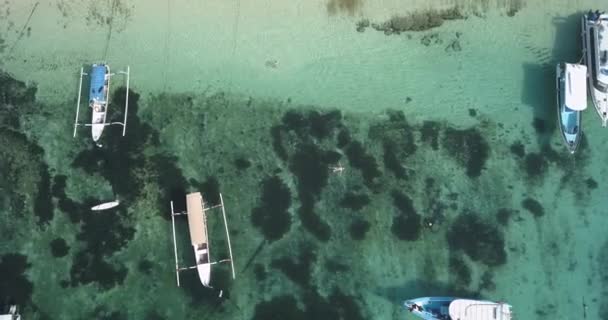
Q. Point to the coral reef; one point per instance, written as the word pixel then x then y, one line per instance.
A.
pixel 407 222
pixel 418 21
pixel 533 207
pixel 272 216
pixel 479 239
pixel 468 147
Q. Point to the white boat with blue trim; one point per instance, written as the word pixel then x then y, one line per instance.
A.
pixel 595 54
pixel 571 83
pixel 450 308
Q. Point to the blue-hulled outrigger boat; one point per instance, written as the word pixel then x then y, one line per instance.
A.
pixel 571 101
pixel 99 92
pixel 450 308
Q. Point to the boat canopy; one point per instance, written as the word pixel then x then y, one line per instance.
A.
pixel 576 86
pixel 464 309
pixel 196 219
pixel 98 78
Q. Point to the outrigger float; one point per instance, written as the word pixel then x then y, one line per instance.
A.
pixel 197 223
pixel 99 93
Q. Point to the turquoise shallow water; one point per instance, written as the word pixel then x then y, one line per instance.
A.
pixel 452 125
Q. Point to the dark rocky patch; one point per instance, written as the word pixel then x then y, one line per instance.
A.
pixel 535 165
pixel 312 221
pixel 354 201
pixel 278 144
pixel 362 24
pixel 59 248
pixel 472 113
pixel 503 216
pixel 65 204
pixel 346 6
pixel 518 149
pixel 145 266
pixel 171 182
pixel 397 138
pixel 211 191
pixel 487 281
pixel 540 126
pixel 43 203
pixel 272 216
pixel 278 308
pixel 534 207
pixel 429 133
pixel 418 21
pixel 260 272
pixel 24 173
pixel 468 147
pixel 479 239
pixel 407 223
pixel 242 163
pixel 460 271
pixel 299 270
pixel 591 184
pixel 16 100
pixel 360 159
pixel 312 123
pixel 344 138
pixel 358 229
pixel 14 284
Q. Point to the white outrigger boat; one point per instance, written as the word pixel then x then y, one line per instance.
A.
pixel 99 98
pixel 197 223
pixel 11 314
pixel 595 54
pixel 450 308
pixel 571 84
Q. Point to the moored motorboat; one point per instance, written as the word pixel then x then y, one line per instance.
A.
pixel 595 54
pixel 571 87
pixel 450 308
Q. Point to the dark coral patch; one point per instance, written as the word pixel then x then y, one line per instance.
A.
pixel 518 149
pixel 479 239
pixel 407 223
pixel 14 285
pixel 59 248
pixel 591 184
pixel 312 221
pixel 503 215
pixel 359 158
pixel 272 216
pixel 535 164
pixel 460 271
pixel 397 138
pixel 468 147
pixel 354 201
pixel 281 307
pixel 298 271
pixel 429 133
pixel 242 163
pixel 533 207
pixel 358 229
pixel 278 144
pixel 16 99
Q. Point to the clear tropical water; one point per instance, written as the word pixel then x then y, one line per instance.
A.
pixel 456 181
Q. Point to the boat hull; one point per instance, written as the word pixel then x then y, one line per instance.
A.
pixel 599 95
pixel 568 121
pixel 98 98
pixel 432 308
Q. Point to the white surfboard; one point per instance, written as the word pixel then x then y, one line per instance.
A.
pixel 106 206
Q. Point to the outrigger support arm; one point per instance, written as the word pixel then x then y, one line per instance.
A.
pixel 227 236
pixel 78 103
pixel 124 124
pixel 177 269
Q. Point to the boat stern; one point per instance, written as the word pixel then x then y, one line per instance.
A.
pixel 96 131
pixel 204 273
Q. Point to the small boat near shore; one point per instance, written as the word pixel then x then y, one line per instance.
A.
pixel 10 314
pixel 99 98
pixel 595 55
pixel 450 308
pixel 571 90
